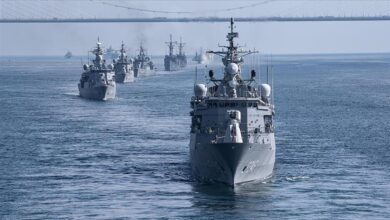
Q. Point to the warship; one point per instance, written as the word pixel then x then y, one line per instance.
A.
pixel 142 63
pixel 111 53
pixel 170 60
pixel 123 67
pixel 201 57
pixel 232 133
pixel 97 81
pixel 68 55
pixel 174 62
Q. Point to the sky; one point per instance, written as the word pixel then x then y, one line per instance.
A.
pixel 267 37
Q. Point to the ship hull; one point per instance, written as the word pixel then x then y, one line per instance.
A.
pixel 171 65
pixel 101 93
pixel 182 62
pixel 124 78
pixel 142 72
pixel 231 163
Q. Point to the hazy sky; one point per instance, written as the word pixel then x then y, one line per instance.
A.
pixel 271 37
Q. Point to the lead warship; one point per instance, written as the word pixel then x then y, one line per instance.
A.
pixel 232 134
pixel 123 67
pixel 142 63
pixel 97 81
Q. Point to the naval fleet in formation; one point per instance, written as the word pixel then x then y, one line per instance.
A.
pixel 98 81
pixel 232 133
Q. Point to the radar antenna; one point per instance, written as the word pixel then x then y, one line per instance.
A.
pixel 233 54
pixel 171 45
pixel 181 46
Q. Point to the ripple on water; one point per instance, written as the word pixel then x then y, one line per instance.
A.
pixel 65 157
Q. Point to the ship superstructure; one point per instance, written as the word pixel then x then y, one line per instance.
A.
pixel 232 133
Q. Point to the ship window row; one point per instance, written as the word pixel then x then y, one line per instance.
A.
pixel 231 104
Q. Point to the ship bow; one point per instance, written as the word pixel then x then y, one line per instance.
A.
pixel 233 163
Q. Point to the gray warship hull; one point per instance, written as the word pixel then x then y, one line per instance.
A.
pixel 124 78
pixel 171 65
pixel 232 163
pixel 182 61
pixel 101 93
pixel 143 72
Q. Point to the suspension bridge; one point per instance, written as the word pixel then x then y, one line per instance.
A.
pixel 55 11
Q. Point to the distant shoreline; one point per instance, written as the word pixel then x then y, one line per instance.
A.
pixel 261 54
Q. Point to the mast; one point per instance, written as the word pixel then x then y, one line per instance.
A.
pixel 232 55
pixel 181 46
pixel 123 52
pixel 230 37
pixel 141 55
pixel 171 45
pixel 98 52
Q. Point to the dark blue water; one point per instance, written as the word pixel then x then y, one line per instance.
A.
pixel 65 157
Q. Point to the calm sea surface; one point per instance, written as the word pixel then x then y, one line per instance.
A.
pixel 63 157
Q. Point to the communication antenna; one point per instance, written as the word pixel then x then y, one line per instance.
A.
pixel 259 66
pixel 272 80
pixel 267 70
pixel 196 75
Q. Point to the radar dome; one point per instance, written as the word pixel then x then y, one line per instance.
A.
pixel 85 66
pixel 265 90
pixel 232 69
pixel 200 90
pixel 110 66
